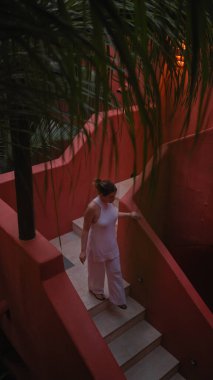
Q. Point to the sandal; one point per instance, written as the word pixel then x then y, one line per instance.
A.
pixel 123 306
pixel 100 297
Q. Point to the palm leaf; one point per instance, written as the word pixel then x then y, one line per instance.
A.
pixel 50 50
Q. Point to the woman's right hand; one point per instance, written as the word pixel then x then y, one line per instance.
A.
pixel 82 257
pixel 135 215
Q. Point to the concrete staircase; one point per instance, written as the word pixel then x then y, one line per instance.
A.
pixel 134 343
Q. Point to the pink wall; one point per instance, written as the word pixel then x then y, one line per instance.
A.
pixel 47 324
pixel 72 177
pixel 173 306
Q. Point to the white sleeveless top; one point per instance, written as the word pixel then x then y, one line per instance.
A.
pixel 102 242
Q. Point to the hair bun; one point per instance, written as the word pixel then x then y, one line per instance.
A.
pixel 104 187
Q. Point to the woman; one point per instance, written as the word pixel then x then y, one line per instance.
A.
pixel 99 244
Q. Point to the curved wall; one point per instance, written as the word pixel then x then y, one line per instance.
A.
pixel 62 189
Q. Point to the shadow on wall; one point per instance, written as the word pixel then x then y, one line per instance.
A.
pixel 180 209
pixel 197 262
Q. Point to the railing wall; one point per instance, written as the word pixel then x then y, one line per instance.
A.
pixel 45 320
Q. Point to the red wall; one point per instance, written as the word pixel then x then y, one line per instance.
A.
pixel 47 323
pixel 36 285
pixel 173 121
pixel 190 209
pixel 180 208
pixel 72 175
pixel 188 231
pixel 172 304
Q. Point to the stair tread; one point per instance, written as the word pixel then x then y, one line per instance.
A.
pixel 77 225
pixel 133 341
pixel 153 366
pixel 177 376
pixel 70 246
pixel 79 221
pixel 112 318
pixel 130 333
pixel 124 186
pixel 65 238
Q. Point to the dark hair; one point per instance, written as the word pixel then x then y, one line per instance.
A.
pixel 105 187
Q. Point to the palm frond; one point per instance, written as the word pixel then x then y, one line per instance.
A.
pixel 51 50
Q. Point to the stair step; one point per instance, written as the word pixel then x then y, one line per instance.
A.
pixel 70 246
pixel 132 340
pixel 177 376
pixel 94 306
pixel 134 344
pixel 77 225
pixel 113 321
pixel 158 365
pixel 124 186
pixel 66 238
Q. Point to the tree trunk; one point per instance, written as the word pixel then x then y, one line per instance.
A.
pixel 23 178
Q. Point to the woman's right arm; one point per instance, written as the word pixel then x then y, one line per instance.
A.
pixel 88 220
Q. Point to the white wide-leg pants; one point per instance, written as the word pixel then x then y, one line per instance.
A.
pixel 96 276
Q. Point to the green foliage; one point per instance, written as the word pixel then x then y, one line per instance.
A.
pixel 55 64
